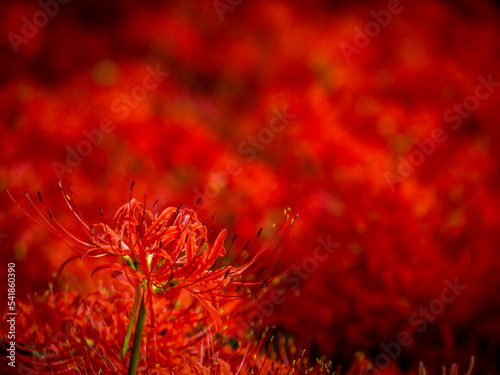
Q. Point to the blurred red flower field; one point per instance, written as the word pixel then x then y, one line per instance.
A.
pixel 375 122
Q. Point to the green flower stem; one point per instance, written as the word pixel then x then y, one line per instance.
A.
pixel 136 346
pixel 131 323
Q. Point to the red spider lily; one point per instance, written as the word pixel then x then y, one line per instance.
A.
pixel 167 252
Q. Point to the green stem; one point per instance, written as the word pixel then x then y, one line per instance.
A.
pixel 136 346
pixel 132 321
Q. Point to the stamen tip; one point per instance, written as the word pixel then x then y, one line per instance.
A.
pixel 263 283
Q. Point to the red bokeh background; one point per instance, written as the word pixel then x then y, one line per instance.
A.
pixel 352 119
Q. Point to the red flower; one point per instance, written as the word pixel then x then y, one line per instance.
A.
pixel 168 252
